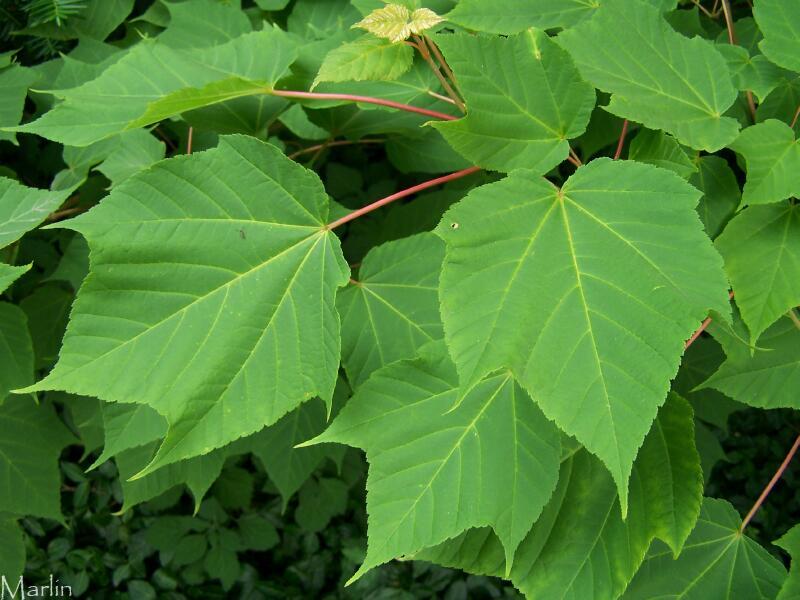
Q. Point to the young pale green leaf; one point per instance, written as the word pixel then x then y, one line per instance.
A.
pixel 434 472
pixel 9 274
pixel 656 76
pixel 587 293
pixel 766 377
pixel 721 193
pixel 718 561
pixel 23 208
pixel 14 84
pixel 396 22
pixel 32 440
pixel 761 250
pixel 773 162
pixel 790 541
pixel 779 21
pixel 514 16
pixel 524 99
pixel 581 547
pixel 16 350
pixel 197 473
pixel 220 339
pixel 368 57
pixel 153 82
pixel 393 309
pixel 660 149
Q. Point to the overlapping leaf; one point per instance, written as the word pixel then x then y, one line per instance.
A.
pixel 721 193
pixel 767 376
pixel 435 472
pixel 154 81
pixel 366 58
pixel 790 542
pixel 16 350
pixel 222 339
pixel 761 249
pixel 587 293
pixel 23 208
pixel 32 440
pixel 779 21
pixel 717 562
pixel 772 155
pixel 656 76
pixel 510 122
pixel 393 310
pixel 581 547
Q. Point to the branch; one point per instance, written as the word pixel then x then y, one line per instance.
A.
pixel 771 484
pixel 702 328
pixel 401 194
pixel 365 99
pixel 335 143
pixel 796 115
pixel 424 50
pixel 726 9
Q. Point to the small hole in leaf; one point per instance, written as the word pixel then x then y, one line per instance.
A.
pixel 453 225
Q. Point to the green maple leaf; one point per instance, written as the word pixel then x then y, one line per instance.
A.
pixel 721 193
pixel 154 81
pixel 510 123
pixel 660 149
pixel 779 21
pixel 587 293
pixel 761 249
pixel 203 23
pixel 717 562
pixel 581 547
pixel 9 274
pixel 32 440
pixel 221 339
pixel 766 376
pixel 127 426
pixel 773 162
pixel 14 81
pixel 492 461
pixel 656 76
pixel 393 310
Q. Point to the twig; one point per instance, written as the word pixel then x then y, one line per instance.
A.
pixel 335 143
pixel 401 194
pixel 621 141
pixel 575 158
pixel 702 327
pixel 795 319
pixel 440 97
pixel 67 212
pixel 796 115
pixel 726 9
pixel 440 57
pixel 365 99
pixel 771 484
pixel 424 49
pixel 189 140
pixel 702 8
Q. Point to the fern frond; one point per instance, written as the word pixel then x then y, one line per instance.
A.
pixel 46 11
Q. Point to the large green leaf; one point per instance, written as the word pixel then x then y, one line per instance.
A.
pixel 773 162
pixel 514 16
pixel 766 377
pixel 717 562
pixel 779 21
pixel 221 339
pixel 434 472
pixel 587 293
pixel 581 547
pixel 761 249
pixel 14 84
pixel 32 440
pixel 154 81
pixel 393 309
pixel 16 350
pixel 23 208
pixel 510 122
pixel 656 76
pixel 660 149
pixel 754 73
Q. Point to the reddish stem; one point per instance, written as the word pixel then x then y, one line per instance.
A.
pixel 771 484
pixel 621 141
pixel 365 99
pixel 401 194
pixel 702 327
pixel 335 143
